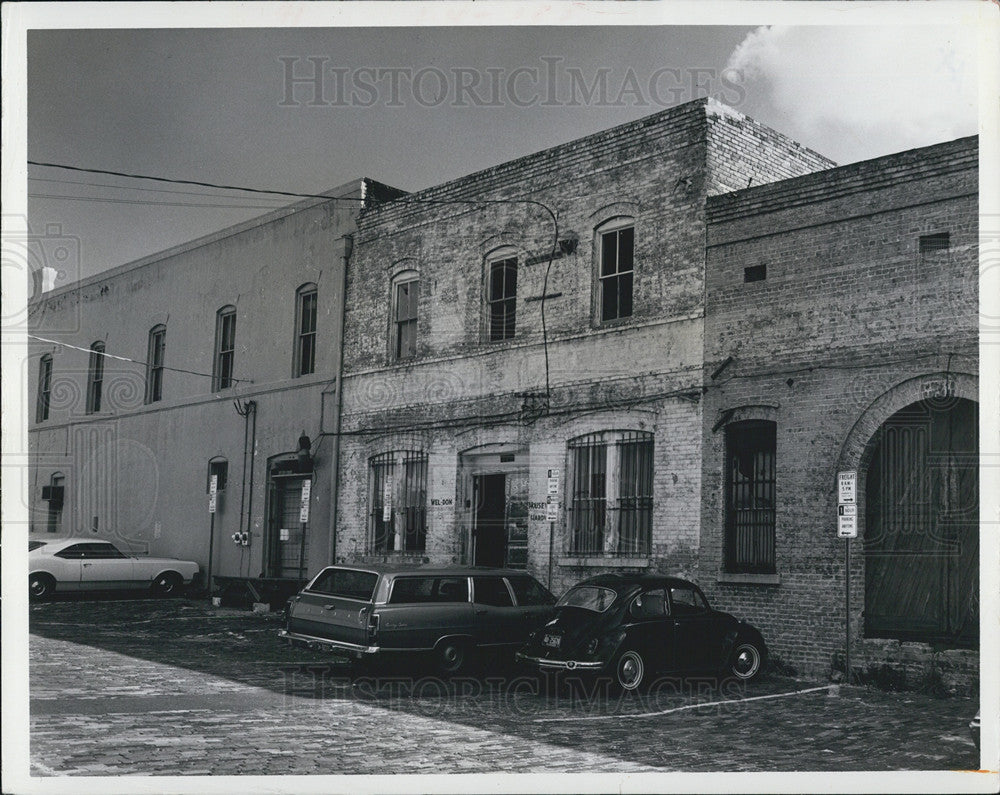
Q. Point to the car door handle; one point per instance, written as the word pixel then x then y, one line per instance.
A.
pixel 88 564
pixel 330 607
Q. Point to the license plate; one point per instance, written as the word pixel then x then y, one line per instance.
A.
pixel 552 641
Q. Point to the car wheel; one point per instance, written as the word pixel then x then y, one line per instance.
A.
pixel 630 671
pixel 451 656
pixel 747 660
pixel 167 583
pixel 40 585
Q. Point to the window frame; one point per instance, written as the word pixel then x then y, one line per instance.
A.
pixel 750 549
pixel 304 353
pixel 613 227
pixel 95 377
pixel 507 259
pixel 217 466
pixel 156 354
pixel 224 358
pixel 409 279
pixel 382 535
pixel 43 399
pixel 623 514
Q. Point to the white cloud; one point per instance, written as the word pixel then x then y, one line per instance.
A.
pixel 854 92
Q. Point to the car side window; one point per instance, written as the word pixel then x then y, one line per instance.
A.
pixel 652 604
pixel 420 590
pixel 530 592
pixel 491 591
pixel 687 601
pixel 104 551
pixel 75 552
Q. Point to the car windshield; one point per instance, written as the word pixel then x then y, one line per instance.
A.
pixel 35 545
pixel 589 597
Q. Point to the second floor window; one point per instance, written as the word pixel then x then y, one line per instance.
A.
pixel 154 363
pixel 750 497
pixel 225 347
pixel 502 298
pixel 616 248
pixel 44 388
pixel 405 346
pixel 95 378
pixel 305 330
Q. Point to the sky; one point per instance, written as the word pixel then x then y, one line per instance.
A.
pixel 414 107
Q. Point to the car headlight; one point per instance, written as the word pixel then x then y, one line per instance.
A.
pixel 592 646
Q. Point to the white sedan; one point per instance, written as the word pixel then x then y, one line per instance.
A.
pixel 82 564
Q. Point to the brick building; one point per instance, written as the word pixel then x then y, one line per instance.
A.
pixel 841 334
pixel 461 404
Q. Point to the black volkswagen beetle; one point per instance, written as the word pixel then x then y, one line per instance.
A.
pixel 633 626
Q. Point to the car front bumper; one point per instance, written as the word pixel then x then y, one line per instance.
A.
pixel 562 665
pixel 313 641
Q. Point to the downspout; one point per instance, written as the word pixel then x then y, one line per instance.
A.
pixel 338 396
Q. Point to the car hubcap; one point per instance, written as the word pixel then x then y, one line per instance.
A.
pixel 37 587
pixel 747 661
pixel 630 671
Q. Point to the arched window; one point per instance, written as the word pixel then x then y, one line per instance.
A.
pixel 225 348
pixel 95 377
pixel 305 330
pixel 405 298
pixel 750 497
pixel 611 493
pixel 154 363
pixel 43 398
pixel 501 295
pixel 397 489
pixel 615 246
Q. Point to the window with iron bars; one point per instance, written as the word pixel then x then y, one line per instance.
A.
pixel 750 497
pixel 397 483
pixel 611 497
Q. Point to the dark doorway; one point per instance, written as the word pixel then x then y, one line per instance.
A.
pixel 490 533
pixel 922 525
pixel 289 548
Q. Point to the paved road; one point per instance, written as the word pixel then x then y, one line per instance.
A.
pixel 157 687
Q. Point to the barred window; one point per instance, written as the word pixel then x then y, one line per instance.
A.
pixel 750 497
pixel 611 502
pixel 225 347
pixel 397 483
pixel 502 298
pixel 95 377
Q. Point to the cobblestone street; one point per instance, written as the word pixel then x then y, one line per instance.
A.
pixel 177 687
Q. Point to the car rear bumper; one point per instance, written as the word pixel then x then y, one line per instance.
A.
pixel 563 665
pixel 354 649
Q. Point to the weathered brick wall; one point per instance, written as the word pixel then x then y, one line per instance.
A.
pixel 848 325
pixel 657 170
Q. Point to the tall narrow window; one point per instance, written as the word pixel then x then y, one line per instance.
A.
pixel 44 395
pixel 406 319
pixel 54 494
pixel 502 298
pixel 611 502
pixel 750 497
pixel 154 363
pixel 616 247
pixel 225 346
pixel 397 483
pixel 95 378
pixel 305 330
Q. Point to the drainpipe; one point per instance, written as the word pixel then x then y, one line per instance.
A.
pixel 338 397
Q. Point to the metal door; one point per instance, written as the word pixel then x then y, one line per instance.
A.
pixel 289 537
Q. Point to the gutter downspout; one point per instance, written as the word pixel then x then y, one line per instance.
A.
pixel 338 396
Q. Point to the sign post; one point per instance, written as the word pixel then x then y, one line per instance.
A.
pixel 213 495
pixel 552 515
pixel 847 528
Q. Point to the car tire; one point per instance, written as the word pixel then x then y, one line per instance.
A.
pixel 747 660
pixel 451 656
pixel 630 671
pixel 41 585
pixel 167 584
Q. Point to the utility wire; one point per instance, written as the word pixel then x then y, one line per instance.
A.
pixel 126 359
pixel 136 188
pixel 149 202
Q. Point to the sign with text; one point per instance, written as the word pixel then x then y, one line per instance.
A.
pixel 213 493
pixel 847 521
pixel 552 509
pixel 847 487
pixel 387 500
pixel 304 505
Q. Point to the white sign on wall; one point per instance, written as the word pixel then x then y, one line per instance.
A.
pixel 213 492
pixel 847 521
pixel 304 505
pixel 387 500
pixel 552 508
pixel 847 487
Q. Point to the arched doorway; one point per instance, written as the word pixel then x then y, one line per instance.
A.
pixel 921 525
